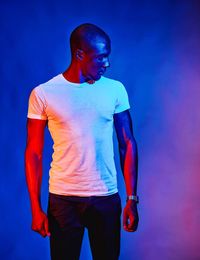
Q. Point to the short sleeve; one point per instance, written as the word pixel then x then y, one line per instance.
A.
pixel 37 105
pixel 122 102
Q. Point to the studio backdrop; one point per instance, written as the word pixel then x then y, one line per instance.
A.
pixel 156 55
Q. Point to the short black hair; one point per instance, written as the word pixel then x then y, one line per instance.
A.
pixel 84 35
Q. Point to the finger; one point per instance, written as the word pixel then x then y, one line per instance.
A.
pixel 35 228
pixel 46 226
pixel 42 232
pixel 127 229
pixel 39 229
pixel 125 221
pixel 127 226
pixel 131 222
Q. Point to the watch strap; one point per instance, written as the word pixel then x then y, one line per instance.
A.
pixel 133 197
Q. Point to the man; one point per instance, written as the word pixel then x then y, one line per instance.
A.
pixel 79 107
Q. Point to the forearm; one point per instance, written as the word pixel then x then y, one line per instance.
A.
pixel 129 165
pixel 33 169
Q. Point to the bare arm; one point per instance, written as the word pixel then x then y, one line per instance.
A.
pixel 33 169
pixel 129 165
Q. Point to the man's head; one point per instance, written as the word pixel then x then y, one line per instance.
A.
pixel 90 47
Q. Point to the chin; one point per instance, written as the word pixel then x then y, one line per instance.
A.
pixel 97 77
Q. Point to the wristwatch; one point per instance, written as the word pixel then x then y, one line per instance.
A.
pixel 133 197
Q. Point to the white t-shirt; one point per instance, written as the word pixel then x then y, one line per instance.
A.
pixel 80 120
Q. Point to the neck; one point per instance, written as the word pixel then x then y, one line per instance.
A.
pixel 74 74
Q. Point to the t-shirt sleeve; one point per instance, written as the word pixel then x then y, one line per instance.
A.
pixel 37 105
pixel 122 102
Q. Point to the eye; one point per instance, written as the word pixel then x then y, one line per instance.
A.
pixel 100 58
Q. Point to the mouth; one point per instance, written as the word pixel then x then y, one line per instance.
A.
pixel 101 72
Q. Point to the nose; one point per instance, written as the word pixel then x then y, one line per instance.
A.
pixel 106 62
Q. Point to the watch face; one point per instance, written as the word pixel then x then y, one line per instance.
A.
pixel 133 197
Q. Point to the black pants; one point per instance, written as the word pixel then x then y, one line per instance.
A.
pixel 69 215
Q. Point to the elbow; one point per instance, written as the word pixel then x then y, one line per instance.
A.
pixel 32 154
pixel 128 146
pixel 32 163
pixel 128 142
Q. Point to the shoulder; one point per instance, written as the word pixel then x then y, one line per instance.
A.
pixel 112 82
pixel 113 85
pixel 52 82
pixel 41 89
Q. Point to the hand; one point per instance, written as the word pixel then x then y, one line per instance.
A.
pixel 40 223
pixel 130 216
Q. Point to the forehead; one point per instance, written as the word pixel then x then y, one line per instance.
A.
pixel 100 47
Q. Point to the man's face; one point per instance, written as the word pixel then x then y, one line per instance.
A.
pixel 96 60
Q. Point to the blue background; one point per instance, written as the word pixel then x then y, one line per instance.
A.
pixel 155 53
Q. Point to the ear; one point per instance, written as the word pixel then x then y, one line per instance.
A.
pixel 79 54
